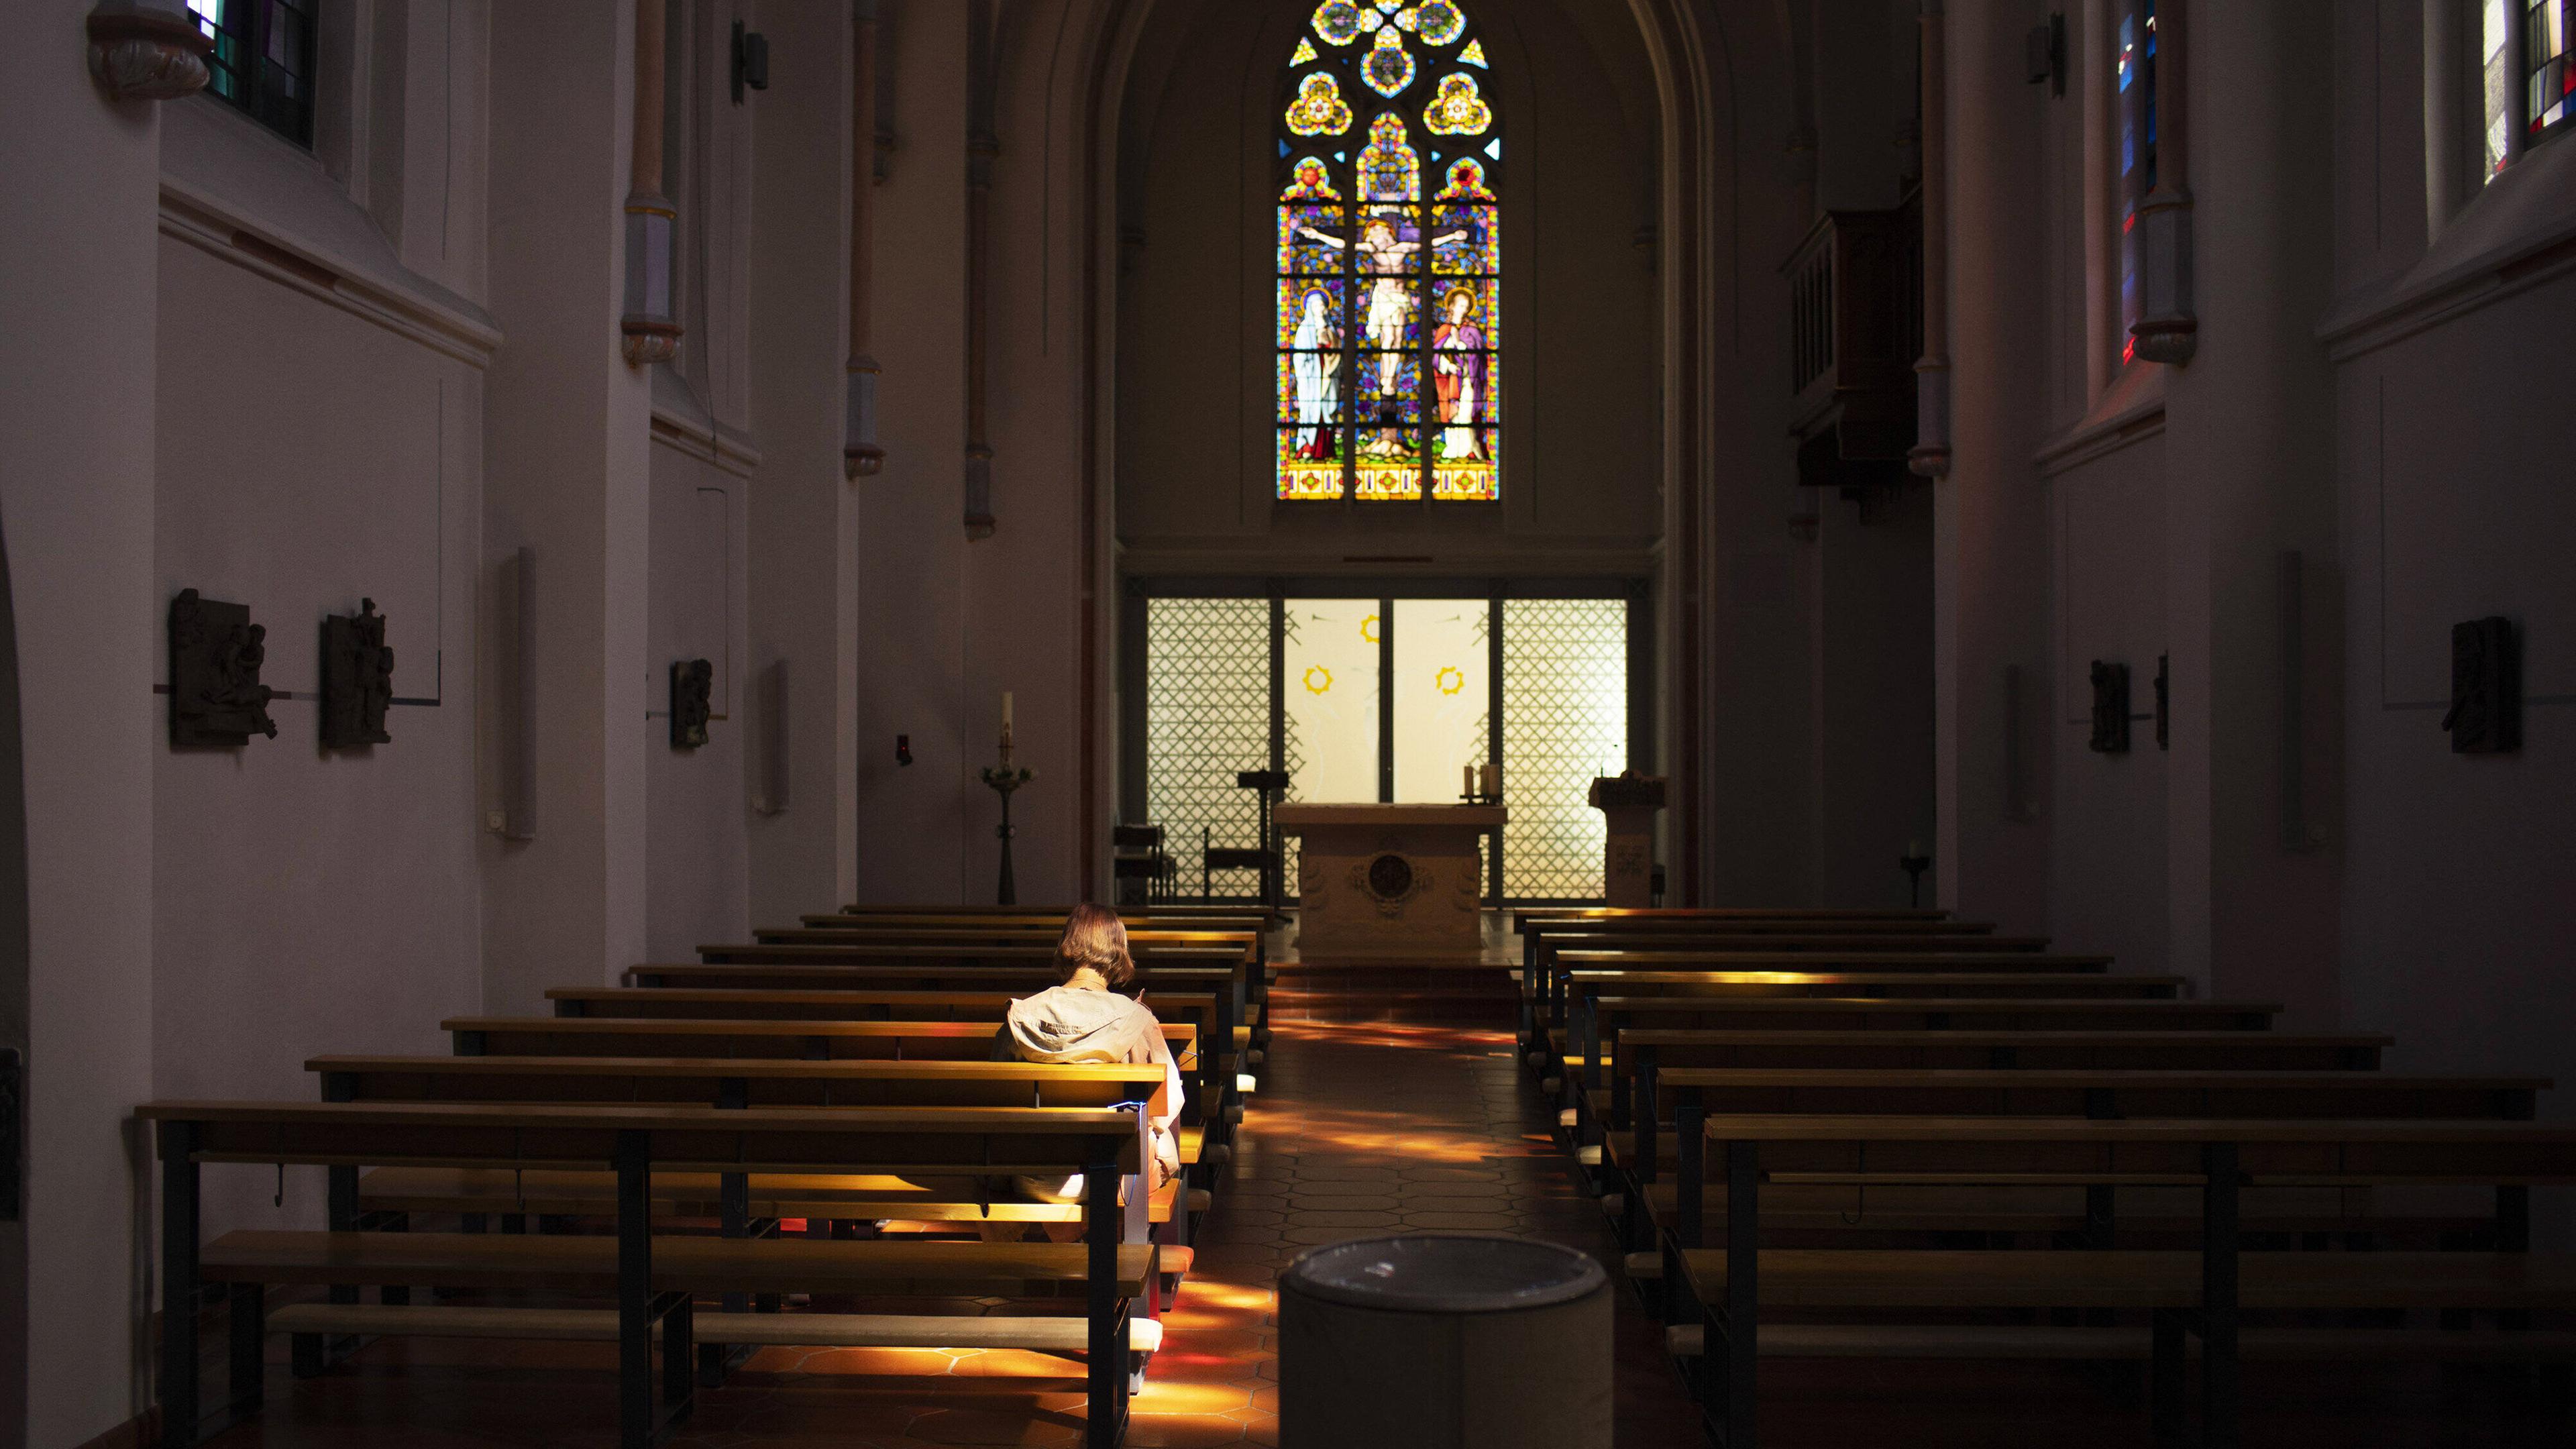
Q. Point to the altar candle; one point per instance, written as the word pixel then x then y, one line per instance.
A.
pixel 1467 779
pixel 1914 850
pixel 1006 711
pixel 1490 778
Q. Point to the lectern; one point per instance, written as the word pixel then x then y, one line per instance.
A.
pixel 1628 804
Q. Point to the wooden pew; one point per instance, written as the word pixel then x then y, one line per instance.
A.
pixel 1684 1097
pixel 704 1037
pixel 2202 1293
pixel 1010 976
pixel 1591 1068
pixel 1196 1010
pixel 1972 1050
pixel 958 966
pixel 1558 970
pixel 733 1083
pixel 653 1279
pixel 1176 910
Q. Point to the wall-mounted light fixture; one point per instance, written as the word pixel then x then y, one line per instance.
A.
pixel 750 61
pixel 2044 51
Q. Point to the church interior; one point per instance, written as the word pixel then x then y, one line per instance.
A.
pixel 1428 722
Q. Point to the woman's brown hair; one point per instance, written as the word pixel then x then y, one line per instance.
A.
pixel 1096 938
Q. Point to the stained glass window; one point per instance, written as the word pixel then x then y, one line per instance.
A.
pixel 2136 67
pixel 1390 258
pixel 263 60
pixel 2549 33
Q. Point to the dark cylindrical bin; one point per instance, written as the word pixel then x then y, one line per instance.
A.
pixel 1444 1341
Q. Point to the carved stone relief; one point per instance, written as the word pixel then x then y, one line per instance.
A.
pixel 693 683
pixel 216 652
pixel 2486 688
pixel 357 679
pixel 2110 708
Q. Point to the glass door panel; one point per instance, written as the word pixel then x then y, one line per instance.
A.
pixel 1443 688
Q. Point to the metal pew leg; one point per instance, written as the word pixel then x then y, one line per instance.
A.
pixel 248 1335
pixel 1106 1355
pixel 178 1285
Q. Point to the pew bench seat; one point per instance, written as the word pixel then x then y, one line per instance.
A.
pixel 681 1264
pixel 1057 1333
pixel 2145 1279
pixel 862 1196
pixel 1990 1342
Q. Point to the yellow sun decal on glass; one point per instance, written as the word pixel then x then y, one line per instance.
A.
pixel 1450 681
pixel 1368 628
pixel 1318 679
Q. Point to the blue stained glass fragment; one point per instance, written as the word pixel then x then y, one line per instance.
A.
pixel 1283 149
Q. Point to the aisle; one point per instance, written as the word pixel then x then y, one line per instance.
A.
pixel 1361 1131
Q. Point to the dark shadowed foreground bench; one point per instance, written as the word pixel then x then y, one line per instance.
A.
pixel 652 1279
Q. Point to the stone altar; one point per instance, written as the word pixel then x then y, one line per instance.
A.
pixel 1397 883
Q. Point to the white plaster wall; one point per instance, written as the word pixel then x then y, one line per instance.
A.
pixel 2457 904
pixel 76 500
pixel 1874 718
pixel 698 858
pixel 914 823
pixel 308 900
pixel 2107 872
pixel 802 598
pixel 569 468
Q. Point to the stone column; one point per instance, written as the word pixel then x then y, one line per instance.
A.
pixel 803 515
pixel 860 455
pixel 2249 449
pixel 1990 518
pixel 78 276
pixel 569 426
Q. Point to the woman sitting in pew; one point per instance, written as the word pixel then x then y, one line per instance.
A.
pixel 1085 1019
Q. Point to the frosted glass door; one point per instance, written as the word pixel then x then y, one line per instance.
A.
pixel 1443 688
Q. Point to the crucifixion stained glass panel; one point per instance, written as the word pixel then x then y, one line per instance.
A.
pixel 1390 258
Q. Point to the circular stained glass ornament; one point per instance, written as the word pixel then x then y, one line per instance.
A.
pixel 1458 110
pixel 1319 109
pixel 1439 22
pixel 1338 21
pixel 1389 67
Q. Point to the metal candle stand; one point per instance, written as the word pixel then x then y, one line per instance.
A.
pixel 1002 779
pixel 1914 866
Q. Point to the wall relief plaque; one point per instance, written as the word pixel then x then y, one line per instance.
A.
pixel 216 652
pixel 2110 708
pixel 693 683
pixel 2486 688
pixel 357 679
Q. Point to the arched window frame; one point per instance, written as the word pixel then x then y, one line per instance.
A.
pixel 1389 375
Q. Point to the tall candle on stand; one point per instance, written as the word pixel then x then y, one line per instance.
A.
pixel 1006 727
pixel 1467 780
pixel 1491 779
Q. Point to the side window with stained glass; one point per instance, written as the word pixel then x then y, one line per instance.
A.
pixel 1389 258
pixel 2527 63
pixel 2134 70
pixel 263 60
